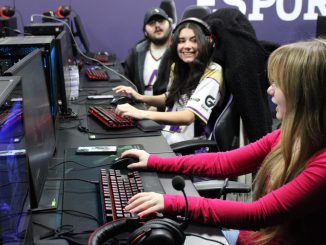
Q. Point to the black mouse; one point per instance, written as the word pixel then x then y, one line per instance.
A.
pixel 122 163
pixel 121 99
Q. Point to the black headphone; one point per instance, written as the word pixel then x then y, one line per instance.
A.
pixel 7 12
pixel 202 24
pixel 62 11
pixel 155 231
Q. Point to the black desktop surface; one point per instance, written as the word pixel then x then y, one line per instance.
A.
pixel 74 197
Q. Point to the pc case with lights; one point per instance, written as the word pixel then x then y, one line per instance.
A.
pixel 13 49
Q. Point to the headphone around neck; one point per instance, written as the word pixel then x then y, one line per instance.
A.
pixel 7 12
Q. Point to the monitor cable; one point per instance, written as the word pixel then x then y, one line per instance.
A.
pixel 79 50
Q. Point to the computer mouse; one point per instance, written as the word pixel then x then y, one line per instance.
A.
pixel 121 99
pixel 122 163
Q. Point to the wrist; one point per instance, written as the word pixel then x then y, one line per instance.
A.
pixel 140 97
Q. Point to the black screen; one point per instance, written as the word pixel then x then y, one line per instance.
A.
pixel 64 60
pixel 80 32
pixel 38 123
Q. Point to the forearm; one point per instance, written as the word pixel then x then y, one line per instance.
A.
pixel 184 117
pixel 155 100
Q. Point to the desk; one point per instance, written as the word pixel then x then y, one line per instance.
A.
pixel 83 196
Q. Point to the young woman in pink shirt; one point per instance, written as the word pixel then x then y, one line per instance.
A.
pixel 289 204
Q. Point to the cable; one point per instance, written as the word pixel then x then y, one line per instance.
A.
pixel 67 211
pixel 80 52
pixel 95 182
pixel 12 183
pixel 103 165
pixel 202 237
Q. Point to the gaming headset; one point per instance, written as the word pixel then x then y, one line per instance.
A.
pixel 7 12
pixel 158 231
pixel 202 24
pixel 61 13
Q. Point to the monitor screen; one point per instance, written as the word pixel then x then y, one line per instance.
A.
pixel 80 32
pixel 14 182
pixel 38 123
pixel 64 60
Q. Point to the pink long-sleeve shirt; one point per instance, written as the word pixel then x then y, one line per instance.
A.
pixel 302 200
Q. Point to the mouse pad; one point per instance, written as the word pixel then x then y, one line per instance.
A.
pixel 99 131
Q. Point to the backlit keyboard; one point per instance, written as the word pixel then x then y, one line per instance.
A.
pixel 108 116
pixel 117 189
pixel 96 74
pixel 102 57
pixel 118 186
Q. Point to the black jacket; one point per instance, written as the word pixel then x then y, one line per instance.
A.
pixel 134 68
pixel 244 60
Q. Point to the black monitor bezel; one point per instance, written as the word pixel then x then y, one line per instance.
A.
pixel 36 185
pixel 81 33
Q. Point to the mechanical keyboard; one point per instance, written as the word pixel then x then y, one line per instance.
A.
pixel 104 58
pixel 118 186
pixel 108 116
pixel 96 74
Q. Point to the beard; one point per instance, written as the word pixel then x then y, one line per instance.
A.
pixel 161 40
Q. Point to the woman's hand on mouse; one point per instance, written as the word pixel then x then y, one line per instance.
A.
pixel 129 91
pixel 130 111
pixel 141 155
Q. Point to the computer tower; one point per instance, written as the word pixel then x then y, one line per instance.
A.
pixel 13 49
pixel 49 28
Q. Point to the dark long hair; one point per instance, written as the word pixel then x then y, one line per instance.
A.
pixel 186 77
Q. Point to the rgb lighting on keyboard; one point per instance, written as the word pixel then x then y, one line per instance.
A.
pixel 108 116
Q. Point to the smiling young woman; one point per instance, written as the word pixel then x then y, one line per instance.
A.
pixel 194 88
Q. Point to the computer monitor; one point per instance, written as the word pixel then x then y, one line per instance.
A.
pixel 38 123
pixel 80 32
pixel 14 182
pixel 64 56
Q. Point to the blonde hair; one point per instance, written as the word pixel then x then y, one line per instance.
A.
pixel 299 69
